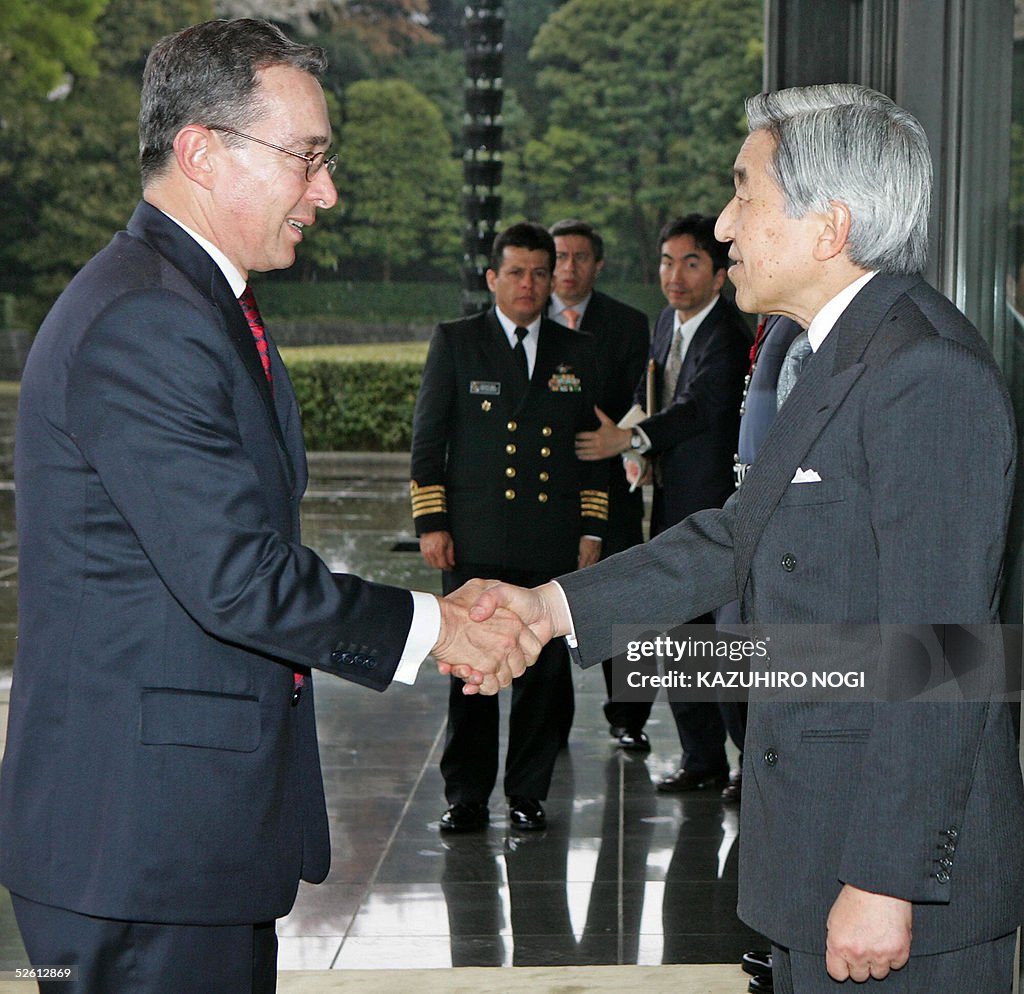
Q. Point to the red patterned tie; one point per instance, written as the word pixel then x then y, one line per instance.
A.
pixel 259 333
pixel 572 317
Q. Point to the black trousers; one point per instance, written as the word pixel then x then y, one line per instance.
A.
pixel 541 704
pixel 125 957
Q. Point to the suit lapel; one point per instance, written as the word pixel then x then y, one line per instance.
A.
pixel 187 256
pixel 510 375
pixel 818 394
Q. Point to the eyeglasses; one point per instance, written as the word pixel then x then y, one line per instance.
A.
pixel 315 161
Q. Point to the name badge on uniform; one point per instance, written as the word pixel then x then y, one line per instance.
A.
pixel 487 387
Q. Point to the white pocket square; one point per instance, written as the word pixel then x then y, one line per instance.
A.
pixel 806 476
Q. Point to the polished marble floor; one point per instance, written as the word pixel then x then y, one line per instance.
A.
pixel 622 875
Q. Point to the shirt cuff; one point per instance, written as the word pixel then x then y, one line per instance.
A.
pixel 571 637
pixel 423 635
pixel 645 446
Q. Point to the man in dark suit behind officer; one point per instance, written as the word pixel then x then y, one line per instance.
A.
pixel 619 336
pixel 497 491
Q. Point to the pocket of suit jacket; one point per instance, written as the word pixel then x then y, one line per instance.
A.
pixel 170 716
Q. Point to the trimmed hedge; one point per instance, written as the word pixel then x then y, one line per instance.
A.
pixel 356 406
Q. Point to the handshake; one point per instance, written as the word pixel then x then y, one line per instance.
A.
pixel 491 631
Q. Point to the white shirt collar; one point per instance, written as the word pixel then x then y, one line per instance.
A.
pixel 509 326
pixel 559 306
pixel 235 279
pixel 824 321
pixel 688 327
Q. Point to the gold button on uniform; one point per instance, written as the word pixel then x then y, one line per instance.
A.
pixel 542 497
pixel 512 426
pixel 545 431
pixel 510 495
pixel 545 452
pixel 510 471
pixel 544 477
pixel 510 449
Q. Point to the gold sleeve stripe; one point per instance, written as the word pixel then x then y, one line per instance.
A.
pixel 427 500
pixel 594 504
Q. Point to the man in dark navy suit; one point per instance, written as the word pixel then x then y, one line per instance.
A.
pixel 620 337
pixel 161 794
pixel 701 351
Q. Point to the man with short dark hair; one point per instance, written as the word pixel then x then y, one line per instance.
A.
pixel 161 794
pixel 497 491
pixel 701 351
pixel 620 337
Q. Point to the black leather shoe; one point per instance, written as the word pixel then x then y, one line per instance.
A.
pixel 526 814
pixel 684 780
pixel 732 791
pixel 465 818
pixel 761 984
pixel 757 962
pixel 634 741
pixel 616 731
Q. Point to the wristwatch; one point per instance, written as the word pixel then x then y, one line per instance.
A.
pixel 635 440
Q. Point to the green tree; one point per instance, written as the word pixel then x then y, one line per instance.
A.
pixel 69 174
pixel 646 100
pixel 41 41
pixel 398 181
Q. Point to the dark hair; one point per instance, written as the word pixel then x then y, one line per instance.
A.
pixel 527 235
pixel 701 228
pixel 208 74
pixel 572 226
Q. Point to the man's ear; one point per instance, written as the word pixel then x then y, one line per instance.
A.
pixel 492 277
pixel 834 232
pixel 193 153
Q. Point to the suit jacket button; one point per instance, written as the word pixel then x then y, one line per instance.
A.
pixel 789 562
pixel 544 477
pixel 510 449
pixel 545 452
pixel 545 431
pixel 510 494
pixel 512 426
pixel 942 876
pixel 771 757
pixel 953 834
pixel 510 471
pixel 542 497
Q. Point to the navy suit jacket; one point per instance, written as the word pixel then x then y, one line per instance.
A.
pixel 155 767
pixel 694 438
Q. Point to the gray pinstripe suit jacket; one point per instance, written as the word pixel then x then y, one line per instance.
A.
pixel 904 415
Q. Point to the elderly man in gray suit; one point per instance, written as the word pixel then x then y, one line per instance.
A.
pixel 880 840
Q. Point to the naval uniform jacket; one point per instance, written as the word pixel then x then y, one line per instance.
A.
pixel 493 461
pixel 904 416
pixel 620 338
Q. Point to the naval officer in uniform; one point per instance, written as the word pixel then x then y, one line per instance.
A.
pixel 497 491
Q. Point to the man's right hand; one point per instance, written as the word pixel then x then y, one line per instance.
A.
pixel 438 550
pixel 542 609
pixel 486 653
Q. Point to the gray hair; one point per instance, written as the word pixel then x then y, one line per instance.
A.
pixel 847 143
pixel 207 74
